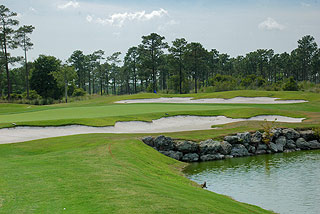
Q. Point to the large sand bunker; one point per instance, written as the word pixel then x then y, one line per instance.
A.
pixel 163 125
pixel 244 100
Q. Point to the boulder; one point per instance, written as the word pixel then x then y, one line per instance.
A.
pixel 252 149
pixel 209 147
pixel 190 157
pixel 273 147
pixel 308 135
pixel 289 150
pixel 290 144
pixel 262 146
pixel 210 157
pixel 302 143
pixel 186 146
pixel 173 154
pixel 228 156
pixel 244 138
pixel 276 133
pixel 149 141
pixel 256 137
pixel 261 152
pixel 231 139
pixel 291 133
pixel 163 143
pixel 314 144
pixel 239 150
pixel 247 145
pixel 225 148
pixel 281 142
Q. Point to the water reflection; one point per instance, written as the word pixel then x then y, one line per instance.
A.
pixel 285 183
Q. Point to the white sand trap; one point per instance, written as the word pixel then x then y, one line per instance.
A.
pixel 163 125
pixel 244 100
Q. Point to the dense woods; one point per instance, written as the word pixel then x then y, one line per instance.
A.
pixel 154 65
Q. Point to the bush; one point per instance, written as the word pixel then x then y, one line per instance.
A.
pixel 32 95
pixel 78 92
pixel 309 86
pixel 150 88
pixel 253 82
pixel 291 85
pixel 71 88
pixel 221 83
pixel 221 78
pixel 15 96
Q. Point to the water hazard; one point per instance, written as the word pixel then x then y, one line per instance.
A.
pixel 285 183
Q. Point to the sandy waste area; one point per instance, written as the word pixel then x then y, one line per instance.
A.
pixel 163 125
pixel 239 100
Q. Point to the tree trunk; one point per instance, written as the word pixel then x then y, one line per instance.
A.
pixel 195 72
pixel 114 86
pixel 180 75
pixel 93 91
pixel 107 83
pixel 66 87
pixel 101 86
pixel 154 75
pixel 7 63
pixel 27 72
pixel 134 77
pixel 89 78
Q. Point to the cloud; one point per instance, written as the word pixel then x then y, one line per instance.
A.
pixel 73 4
pixel 270 24
pixel 118 19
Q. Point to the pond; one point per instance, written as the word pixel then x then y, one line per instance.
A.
pixel 284 183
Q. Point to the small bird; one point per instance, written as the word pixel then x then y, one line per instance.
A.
pixel 204 185
pixel 14 124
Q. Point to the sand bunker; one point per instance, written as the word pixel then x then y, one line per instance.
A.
pixel 247 100
pixel 163 125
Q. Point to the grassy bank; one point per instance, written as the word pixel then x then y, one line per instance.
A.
pixel 101 173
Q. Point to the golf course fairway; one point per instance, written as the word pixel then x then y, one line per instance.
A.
pixel 117 173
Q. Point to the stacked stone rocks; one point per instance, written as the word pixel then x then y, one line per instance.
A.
pixel 239 145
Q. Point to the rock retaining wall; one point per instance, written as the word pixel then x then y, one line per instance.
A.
pixel 239 145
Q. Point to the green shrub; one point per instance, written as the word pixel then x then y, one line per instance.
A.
pixel 15 96
pixel 291 85
pixel 32 95
pixel 150 88
pixel 309 86
pixel 78 92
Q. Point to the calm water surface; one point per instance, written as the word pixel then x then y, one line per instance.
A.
pixel 284 183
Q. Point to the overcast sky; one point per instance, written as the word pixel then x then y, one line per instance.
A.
pixel 231 26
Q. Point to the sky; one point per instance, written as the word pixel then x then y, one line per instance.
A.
pixel 234 27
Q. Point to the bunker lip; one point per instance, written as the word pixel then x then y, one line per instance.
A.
pixel 162 125
pixel 238 100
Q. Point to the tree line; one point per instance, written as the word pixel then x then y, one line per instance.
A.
pixel 153 65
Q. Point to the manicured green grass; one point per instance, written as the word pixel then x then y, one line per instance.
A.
pixel 113 173
pixel 101 173
pixel 100 111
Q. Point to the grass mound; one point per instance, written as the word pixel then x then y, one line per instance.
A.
pixel 101 173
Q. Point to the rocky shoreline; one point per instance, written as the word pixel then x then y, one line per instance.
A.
pixel 240 145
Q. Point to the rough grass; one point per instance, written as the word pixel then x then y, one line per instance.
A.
pixel 101 173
